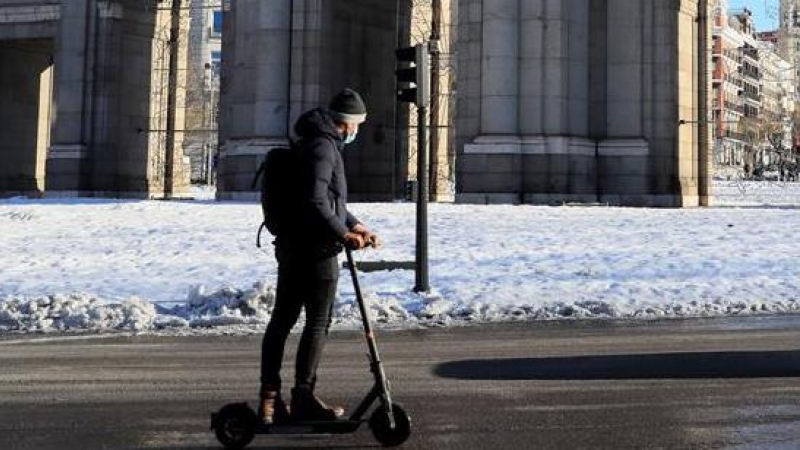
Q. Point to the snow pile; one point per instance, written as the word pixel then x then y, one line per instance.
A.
pixel 227 306
pixel 252 307
pixel 93 264
pixel 75 312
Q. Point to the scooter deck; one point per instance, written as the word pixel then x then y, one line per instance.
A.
pixel 247 415
pixel 327 427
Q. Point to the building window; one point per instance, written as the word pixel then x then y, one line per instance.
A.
pixel 216 26
pixel 216 63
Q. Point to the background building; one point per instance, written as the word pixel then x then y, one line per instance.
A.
pixel 778 94
pixel 736 82
pixel 789 49
pixel 754 94
pixel 789 34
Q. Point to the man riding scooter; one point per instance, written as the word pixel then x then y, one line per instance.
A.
pixel 308 268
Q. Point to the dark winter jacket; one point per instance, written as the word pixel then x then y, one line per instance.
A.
pixel 325 218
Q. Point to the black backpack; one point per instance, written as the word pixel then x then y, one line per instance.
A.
pixel 280 189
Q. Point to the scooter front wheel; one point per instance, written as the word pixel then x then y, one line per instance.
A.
pixel 235 426
pixel 382 430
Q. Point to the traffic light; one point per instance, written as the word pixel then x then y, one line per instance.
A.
pixel 417 74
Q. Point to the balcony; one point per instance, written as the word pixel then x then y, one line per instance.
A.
pixel 752 74
pixel 750 53
pixel 752 96
pixel 730 106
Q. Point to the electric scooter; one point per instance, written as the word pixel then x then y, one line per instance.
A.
pixel 236 424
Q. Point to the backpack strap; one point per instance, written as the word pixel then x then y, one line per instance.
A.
pixel 261 170
pixel 258 235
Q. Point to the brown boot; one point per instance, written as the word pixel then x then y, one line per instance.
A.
pixel 306 407
pixel 271 408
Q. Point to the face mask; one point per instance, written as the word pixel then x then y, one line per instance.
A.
pixel 350 137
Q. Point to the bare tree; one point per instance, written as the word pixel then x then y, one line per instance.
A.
pixel 434 20
pixel 766 141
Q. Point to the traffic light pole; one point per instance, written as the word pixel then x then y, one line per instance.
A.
pixel 418 76
pixel 421 270
pixel 435 100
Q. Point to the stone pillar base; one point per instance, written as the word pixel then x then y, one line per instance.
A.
pixel 66 170
pixel 623 172
pixel 527 169
pixel 238 164
pixel 133 195
pixel 652 201
pixel 557 170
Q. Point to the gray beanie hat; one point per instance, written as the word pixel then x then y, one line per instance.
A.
pixel 348 107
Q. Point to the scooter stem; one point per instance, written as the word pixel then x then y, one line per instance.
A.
pixel 376 366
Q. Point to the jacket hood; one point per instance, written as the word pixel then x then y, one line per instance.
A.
pixel 317 123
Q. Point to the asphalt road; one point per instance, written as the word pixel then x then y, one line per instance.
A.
pixel 677 384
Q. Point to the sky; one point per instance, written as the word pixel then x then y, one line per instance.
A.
pixel 765 12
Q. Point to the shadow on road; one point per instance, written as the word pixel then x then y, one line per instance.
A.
pixel 762 364
pixel 258 446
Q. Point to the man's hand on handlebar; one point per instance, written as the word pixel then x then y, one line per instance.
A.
pixel 354 241
pixel 370 239
pixel 360 237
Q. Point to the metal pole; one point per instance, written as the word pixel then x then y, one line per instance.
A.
pixel 422 203
pixel 172 97
pixel 704 165
pixel 436 37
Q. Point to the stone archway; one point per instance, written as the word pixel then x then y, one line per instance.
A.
pixel 26 83
pixel 93 124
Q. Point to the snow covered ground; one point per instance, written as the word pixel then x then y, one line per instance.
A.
pixel 190 266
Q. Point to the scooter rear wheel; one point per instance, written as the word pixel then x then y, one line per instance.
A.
pixel 382 430
pixel 235 426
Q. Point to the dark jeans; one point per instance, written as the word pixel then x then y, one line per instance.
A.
pixel 304 282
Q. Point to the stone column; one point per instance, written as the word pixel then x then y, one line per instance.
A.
pixel 624 107
pixel 489 164
pixel 687 96
pixel 500 68
pixel 554 72
pixel 661 115
pixel 307 77
pixel 106 87
pixel 67 160
pixel 557 163
pixel 578 53
pixel 624 154
pixel 254 98
pixel 580 184
pixel 532 54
